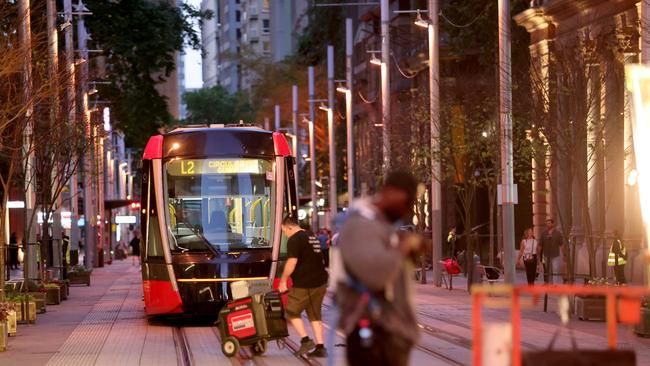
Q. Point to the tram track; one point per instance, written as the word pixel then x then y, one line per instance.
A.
pixel 183 352
pixel 428 350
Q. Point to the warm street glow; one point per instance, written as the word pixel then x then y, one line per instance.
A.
pixel 638 83
pixel 421 22
pixel 342 89
pixel 632 178
pixel 323 108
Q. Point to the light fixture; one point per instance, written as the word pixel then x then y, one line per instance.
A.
pixel 175 146
pixel 379 125
pixel 79 61
pixel 375 61
pixel 632 178
pixel 322 107
pixel 342 89
pixel 65 25
pixel 305 156
pixel 484 134
pixel 107 119
pixel 319 184
pixel 92 91
pixel 421 22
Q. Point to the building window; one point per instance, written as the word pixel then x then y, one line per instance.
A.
pixel 266 47
pixel 238 34
pixel 265 5
pixel 238 16
pixel 266 25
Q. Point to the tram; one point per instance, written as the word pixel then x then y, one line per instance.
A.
pixel 213 199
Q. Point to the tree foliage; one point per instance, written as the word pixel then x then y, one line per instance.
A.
pixel 140 40
pixel 216 105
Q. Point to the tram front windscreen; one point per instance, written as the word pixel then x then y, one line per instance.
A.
pixel 220 204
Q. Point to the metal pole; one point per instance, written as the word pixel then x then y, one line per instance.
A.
pixel 385 83
pixel 434 105
pixel 72 118
pixel 505 114
pixel 277 118
pixel 312 149
pixel 645 31
pixel 294 120
pixel 348 107
pixel 331 131
pixel 267 123
pixel 89 204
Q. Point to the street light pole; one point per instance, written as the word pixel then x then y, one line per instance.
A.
pixel 348 107
pixel 434 105
pixel 312 149
pixel 294 120
pixel 277 118
pixel 90 216
pixel 331 131
pixel 505 114
pixel 72 118
pixel 385 82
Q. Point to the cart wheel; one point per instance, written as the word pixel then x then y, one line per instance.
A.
pixel 259 347
pixel 230 346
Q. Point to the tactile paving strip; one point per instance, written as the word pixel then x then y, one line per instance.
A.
pixel 86 342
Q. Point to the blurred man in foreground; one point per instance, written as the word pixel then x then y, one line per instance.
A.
pixel 377 314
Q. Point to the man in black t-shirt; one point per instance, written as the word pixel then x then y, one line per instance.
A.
pixel 306 268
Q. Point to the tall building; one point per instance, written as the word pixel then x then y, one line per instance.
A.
pixel 287 17
pixel 242 28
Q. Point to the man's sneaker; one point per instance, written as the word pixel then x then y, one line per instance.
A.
pixel 320 351
pixel 305 346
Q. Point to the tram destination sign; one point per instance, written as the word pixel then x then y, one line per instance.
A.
pixel 188 167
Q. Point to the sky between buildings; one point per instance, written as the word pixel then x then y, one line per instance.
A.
pixel 193 77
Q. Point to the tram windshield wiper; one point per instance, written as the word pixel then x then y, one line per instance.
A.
pixel 197 234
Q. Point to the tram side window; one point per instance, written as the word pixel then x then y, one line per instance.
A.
pixel 154 242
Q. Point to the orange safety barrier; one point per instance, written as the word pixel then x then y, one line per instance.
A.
pixel 629 298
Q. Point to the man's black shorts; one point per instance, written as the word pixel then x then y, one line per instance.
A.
pixel 306 299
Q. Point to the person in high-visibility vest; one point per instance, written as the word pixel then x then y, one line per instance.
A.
pixel 617 258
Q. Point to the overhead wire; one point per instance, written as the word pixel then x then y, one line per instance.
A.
pixel 400 69
pixel 366 100
pixel 453 24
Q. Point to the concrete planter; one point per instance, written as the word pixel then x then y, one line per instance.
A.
pixel 642 329
pixel 79 278
pixel 39 299
pixel 53 295
pixel 591 308
pixel 21 312
pixel 12 322
pixel 3 336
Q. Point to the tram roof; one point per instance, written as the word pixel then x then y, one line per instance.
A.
pixel 217 140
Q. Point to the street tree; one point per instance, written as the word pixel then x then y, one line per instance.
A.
pixel 140 40
pixel 216 105
pixel 569 131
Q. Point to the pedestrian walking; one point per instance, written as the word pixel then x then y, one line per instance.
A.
pixel 376 310
pixel 529 252
pixel 324 240
pixel 617 258
pixel 135 248
pixel 552 243
pixel 306 268
pixel 13 251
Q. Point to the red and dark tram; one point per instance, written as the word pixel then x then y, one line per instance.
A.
pixel 213 199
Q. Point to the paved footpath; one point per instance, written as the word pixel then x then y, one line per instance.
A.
pixel 104 324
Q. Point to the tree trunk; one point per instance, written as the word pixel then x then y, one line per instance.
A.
pixel 492 198
pixel 3 244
